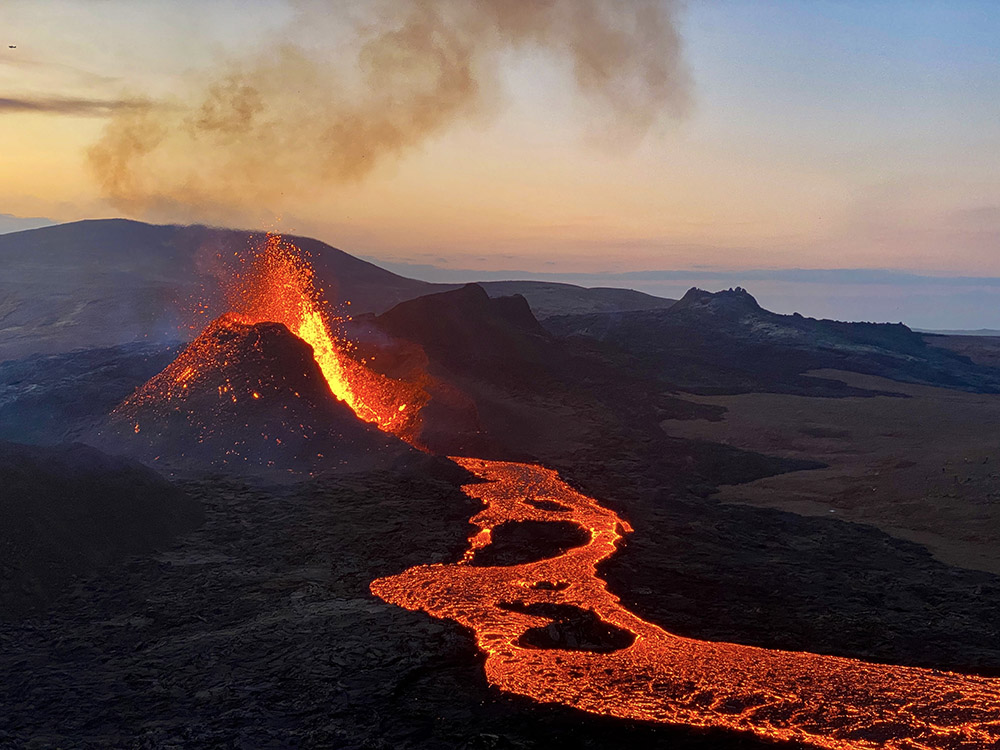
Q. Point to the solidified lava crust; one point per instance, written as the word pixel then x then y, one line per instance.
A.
pixel 825 701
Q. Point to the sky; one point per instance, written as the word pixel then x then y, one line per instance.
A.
pixel 807 134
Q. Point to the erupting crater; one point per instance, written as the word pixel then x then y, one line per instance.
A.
pixel 269 384
pixel 245 395
pixel 275 283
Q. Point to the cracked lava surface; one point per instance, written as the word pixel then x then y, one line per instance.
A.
pixel 824 701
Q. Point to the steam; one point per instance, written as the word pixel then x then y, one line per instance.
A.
pixel 294 118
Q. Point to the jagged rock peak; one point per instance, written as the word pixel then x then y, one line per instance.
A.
pixel 459 312
pixel 734 300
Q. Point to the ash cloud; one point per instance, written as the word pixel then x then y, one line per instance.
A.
pixel 295 117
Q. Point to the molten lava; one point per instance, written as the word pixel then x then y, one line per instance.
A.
pixel 276 283
pixel 247 396
pixel 825 701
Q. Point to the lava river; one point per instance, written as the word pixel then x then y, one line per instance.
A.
pixel 825 701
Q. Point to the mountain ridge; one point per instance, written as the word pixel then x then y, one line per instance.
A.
pixel 105 282
pixel 725 342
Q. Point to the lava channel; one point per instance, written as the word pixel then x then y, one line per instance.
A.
pixel 824 701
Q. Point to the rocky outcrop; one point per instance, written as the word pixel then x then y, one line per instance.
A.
pixel 726 343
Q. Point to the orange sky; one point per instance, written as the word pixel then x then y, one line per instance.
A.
pixel 819 135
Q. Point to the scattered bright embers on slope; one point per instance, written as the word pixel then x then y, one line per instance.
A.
pixel 276 284
pixel 826 701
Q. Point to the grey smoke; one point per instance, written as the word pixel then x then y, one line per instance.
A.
pixel 286 120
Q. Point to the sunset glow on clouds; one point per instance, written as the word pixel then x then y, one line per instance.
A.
pixel 807 134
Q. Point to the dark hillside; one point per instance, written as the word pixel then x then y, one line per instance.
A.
pixel 726 343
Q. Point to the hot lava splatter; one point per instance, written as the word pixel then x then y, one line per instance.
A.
pixel 276 283
pixel 825 701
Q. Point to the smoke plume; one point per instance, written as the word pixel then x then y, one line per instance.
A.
pixel 295 117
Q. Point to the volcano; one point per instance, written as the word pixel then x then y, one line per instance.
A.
pixel 250 396
pixel 282 385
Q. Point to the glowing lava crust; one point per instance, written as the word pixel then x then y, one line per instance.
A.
pixel 825 701
pixel 276 285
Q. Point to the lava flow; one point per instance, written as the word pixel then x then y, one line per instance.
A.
pixel 825 701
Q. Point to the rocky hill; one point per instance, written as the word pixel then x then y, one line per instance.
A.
pixel 502 386
pixel 726 343
pixel 246 398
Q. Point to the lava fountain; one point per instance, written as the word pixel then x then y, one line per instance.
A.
pixel 275 283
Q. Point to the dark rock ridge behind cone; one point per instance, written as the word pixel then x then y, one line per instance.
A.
pixel 483 355
pixel 467 330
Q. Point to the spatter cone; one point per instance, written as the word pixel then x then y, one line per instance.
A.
pixel 246 395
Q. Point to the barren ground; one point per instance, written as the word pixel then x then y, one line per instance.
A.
pixel 923 467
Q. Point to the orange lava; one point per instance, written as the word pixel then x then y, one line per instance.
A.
pixel 276 284
pixel 205 352
pixel 825 701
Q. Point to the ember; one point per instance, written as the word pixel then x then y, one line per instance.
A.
pixel 276 284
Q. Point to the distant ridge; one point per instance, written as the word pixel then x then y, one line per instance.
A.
pixel 735 301
pixel 725 342
pixel 106 282
pixel 548 298
pixel 959 332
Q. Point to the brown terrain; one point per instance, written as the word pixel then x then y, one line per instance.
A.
pixel 922 466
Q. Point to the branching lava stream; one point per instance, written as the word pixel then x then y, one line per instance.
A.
pixel 825 701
